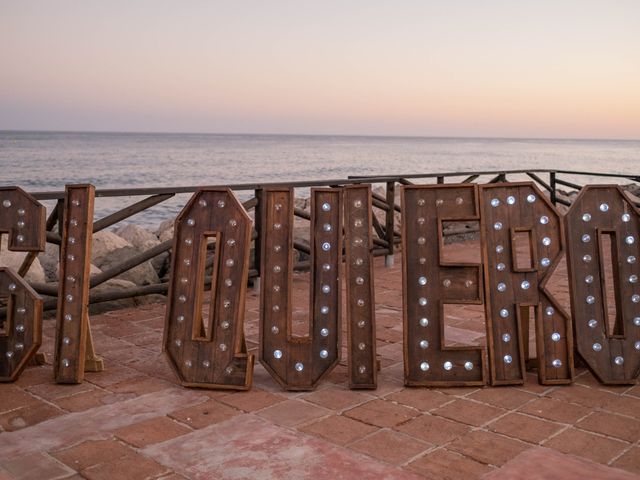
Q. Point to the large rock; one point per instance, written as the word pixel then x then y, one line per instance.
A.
pixel 113 284
pixel 50 260
pixel 137 236
pixel 105 242
pixel 13 260
pixel 143 274
pixel 162 263
pixel 302 203
pixel 165 230
pixel 121 286
pixel 143 239
pixel 632 188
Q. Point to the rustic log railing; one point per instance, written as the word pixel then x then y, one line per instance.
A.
pixel 385 225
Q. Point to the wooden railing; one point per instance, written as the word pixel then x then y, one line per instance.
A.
pixel 385 226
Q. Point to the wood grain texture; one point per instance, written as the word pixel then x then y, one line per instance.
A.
pixel 361 321
pixel 429 282
pixel 509 210
pixel 72 321
pixel 612 354
pixel 23 219
pixel 299 362
pixel 209 352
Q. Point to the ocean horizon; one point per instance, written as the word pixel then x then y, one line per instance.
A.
pixel 47 161
pixel 363 135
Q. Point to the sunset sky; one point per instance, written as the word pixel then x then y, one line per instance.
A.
pixel 449 68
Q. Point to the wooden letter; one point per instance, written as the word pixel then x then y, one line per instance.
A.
pixel 72 321
pixel 23 219
pixel 298 363
pixel 429 283
pixel 513 284
pixel 211 354
pixel 361 322
pixel 603 226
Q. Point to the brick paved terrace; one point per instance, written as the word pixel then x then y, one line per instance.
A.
pixel 134 421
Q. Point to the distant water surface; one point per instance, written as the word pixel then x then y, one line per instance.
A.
pixel 45 161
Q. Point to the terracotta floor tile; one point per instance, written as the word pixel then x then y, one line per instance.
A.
pixel 499 397
pixel 270 452
pixel 92 452
pixel 381 413
pixel 339 429
pixel 531 385
pixel 28 416
pixel 173 476
pixel 422 399
pixel 14 398
pixel 588 397
pixel 92 398
pixel 587 445
pixel 151 431
pixel 629 461
pixel 336 398
pixel 471 413
pixel 34 376
pixel 634 391
pixel 612 425
pixel 390 446
pixel 523 427
pixel 252 400
pixel 149 339
pixel 432 429
pixel 392 351
pixel 125 354
pixel 624 405
pixel 457 391
pixel 112 375
pixel 293 412
pixel 204 414
pixel 546 464
pixel 51 391
pixel 588 380
pixel 389 335
pixel 65 430
pixel 140 385
pixel 131 467
pixel 443 464
pixel 555 410
pixel 387 385
pixel 487 447
pixel 36 466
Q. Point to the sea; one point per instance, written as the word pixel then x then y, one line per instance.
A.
pixel 46 161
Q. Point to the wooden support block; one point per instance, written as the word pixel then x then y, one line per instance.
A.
pixel 209 352
pixel 92 362
pixel 23 219
pixel 298 363
pixel 361 323
pixel 72 322
pixel 523 242
pixel 429 282
pixel 38 359
pixel 603 233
